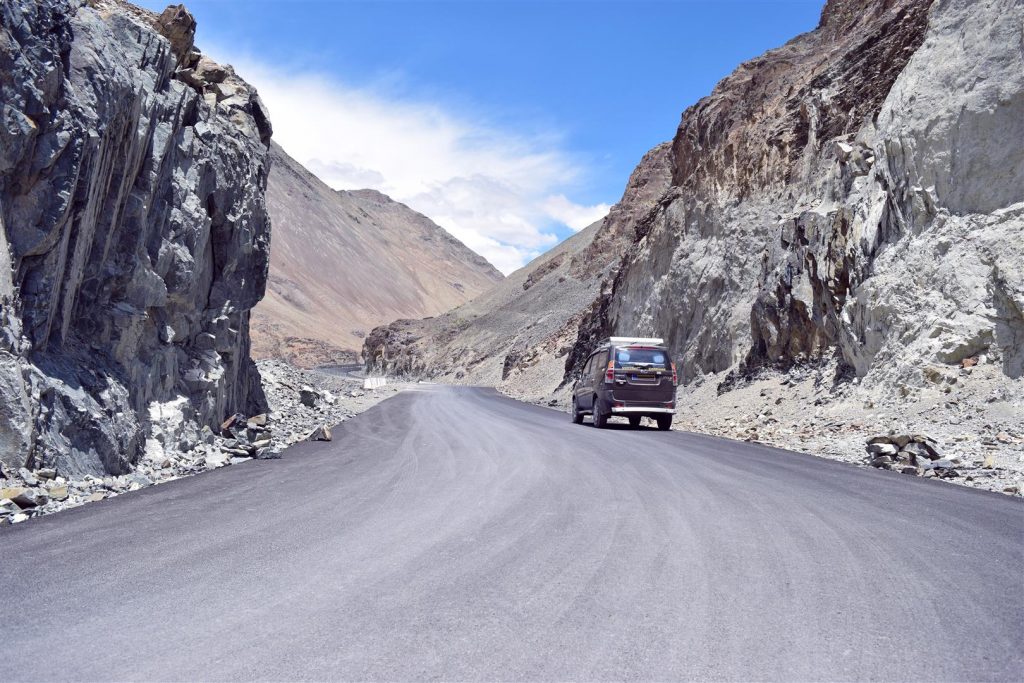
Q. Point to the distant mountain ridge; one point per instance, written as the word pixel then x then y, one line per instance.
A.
pixel 344 262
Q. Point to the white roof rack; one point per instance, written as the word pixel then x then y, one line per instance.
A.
pixel 622 341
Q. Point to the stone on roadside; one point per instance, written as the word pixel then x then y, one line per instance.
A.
pixel 321 433
pixel 139 479
pixel 309 396
pixel 231 422
pixel 30 498
pixel 217 459
pixel 880 448
pixel 58 493
pixel 207 436
pixel 267 454
pixel 28 477
pixel 46 473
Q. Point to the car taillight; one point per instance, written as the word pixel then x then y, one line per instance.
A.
pixel 675 377
pixel 609 374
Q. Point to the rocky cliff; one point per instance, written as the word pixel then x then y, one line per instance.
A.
pixel 345 262
pixel 133 234
pixel 844 213
pixel 829 195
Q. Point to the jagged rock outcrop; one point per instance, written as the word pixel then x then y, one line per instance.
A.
pixel 133 235
pixel 347 261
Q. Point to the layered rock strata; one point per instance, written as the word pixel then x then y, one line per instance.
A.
pixel 133 235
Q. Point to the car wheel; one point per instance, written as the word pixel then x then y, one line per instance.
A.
pixel 634 421
pixel 577 417
pixel 600 419
pixel 664 422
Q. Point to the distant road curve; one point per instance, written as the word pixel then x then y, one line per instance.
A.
pixel 455 534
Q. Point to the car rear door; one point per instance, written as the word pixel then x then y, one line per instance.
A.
pixel 643 375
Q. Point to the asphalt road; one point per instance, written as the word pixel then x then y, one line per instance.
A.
pixel 455 534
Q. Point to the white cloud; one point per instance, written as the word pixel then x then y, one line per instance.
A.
pixel 575 216
pixel 499 191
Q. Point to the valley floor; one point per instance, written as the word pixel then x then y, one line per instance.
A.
pixel 453 534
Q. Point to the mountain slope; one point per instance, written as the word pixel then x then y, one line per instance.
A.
pixel 344 262
pixel 520 331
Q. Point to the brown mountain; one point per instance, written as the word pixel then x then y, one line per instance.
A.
pixel 344 262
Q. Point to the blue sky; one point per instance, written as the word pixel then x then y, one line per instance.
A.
pixel 509 123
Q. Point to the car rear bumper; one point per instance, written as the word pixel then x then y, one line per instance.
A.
pixel 640 410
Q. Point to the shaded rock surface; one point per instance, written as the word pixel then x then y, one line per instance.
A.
pixel 134 235
pixel 346 261
pixel 843 218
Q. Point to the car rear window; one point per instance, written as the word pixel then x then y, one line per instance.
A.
pixel 645 357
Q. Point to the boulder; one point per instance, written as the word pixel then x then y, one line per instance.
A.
pixel 879 448
pixel 178 25
pixel 922 449
pixel 30 498
pixel 321 433
pixel 309 397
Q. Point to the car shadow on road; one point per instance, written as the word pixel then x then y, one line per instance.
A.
pixel 621 426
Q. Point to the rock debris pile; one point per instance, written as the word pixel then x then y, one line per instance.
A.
pixel 304 405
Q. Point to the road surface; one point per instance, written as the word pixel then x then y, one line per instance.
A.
pixel 451 533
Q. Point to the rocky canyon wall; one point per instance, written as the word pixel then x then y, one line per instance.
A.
pixel 134 238
pixel 832 244
pixel 857 195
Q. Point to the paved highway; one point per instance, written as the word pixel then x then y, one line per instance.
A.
pixel 451 533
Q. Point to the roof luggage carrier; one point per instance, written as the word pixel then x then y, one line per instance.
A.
pixel 633 341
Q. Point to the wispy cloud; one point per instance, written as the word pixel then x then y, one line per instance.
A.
pixel 502 192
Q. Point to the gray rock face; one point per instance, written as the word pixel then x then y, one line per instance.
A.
pixel 856 193
pixel 133 233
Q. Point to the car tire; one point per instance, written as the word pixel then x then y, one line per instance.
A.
pixel 634 421
pixel 600 419
pixel 577 416
pixel 664 422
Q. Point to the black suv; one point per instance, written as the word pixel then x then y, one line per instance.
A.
pixel 628 376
